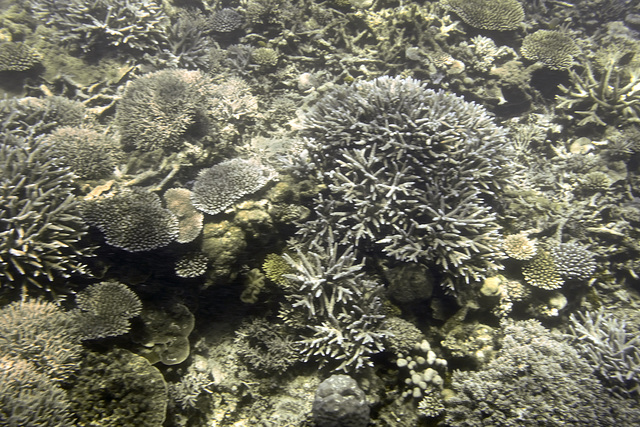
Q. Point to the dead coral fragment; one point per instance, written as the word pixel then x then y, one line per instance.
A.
pixel 553 49
pixel 496 15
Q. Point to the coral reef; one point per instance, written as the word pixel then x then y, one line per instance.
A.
pixel 42 335
pixel 573 261
pixel 541 272
pixel 266 347
pixel 610 348
pixel 190 220
pixel 192 265
pixel 339 401
pixel 219 186
pixel 341 307
pixel 409 170
pixel 30 398
pixel 18 56
pixel 89 154
pixel 514 388
pixel 225 20
pixel 519 246
pixel 104 310
pixel 40 226
pixel 118 388
pixel 132 24
pixel 496 15
pixel 554 49
pixel 132 219
pixel 161 109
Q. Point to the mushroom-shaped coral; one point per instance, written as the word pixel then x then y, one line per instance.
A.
pixel 105 309
pixel 219 186
pixel 553 49
pixel 496 15
pixel 133 220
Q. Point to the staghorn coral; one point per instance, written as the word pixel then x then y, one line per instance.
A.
pixel 30 398
pixel 573 261
pixel 41 334
pixel 131 24
pixel 408 170
pixel 40 228
pixel 104 310
pixel 554 49
pixel 18 56
pixel 132 219
pixel 219 186
pixel 88 153
pixel 161 109
pixel 541 272
pixel 118 388
pixel 342 309
pixel 535 379
pixel 606 91
pixel 612 351
pixel 496 15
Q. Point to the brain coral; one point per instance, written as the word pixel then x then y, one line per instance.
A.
pixel 133 220
pixel 219 186
pixel 161 109
pixel 553 49
pixel 497 15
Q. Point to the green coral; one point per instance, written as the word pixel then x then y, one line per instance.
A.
pixel 554 49
pixel 496 15
pixel 275 267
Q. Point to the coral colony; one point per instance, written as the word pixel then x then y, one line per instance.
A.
pixel 299 213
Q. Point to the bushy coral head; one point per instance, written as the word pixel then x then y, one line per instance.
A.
pixel 554 49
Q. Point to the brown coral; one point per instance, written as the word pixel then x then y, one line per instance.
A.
pixel 496 15
pixel 553 49
pixel 519 246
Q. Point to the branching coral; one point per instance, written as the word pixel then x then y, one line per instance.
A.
pixel 612 350
pixel 132 219
pixel 535 379
pixel 133 24
pixel 40 227
pixel 409 170
pixel 605 92
pixel 342 309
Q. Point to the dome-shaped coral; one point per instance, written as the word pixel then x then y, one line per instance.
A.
pixel 553 49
